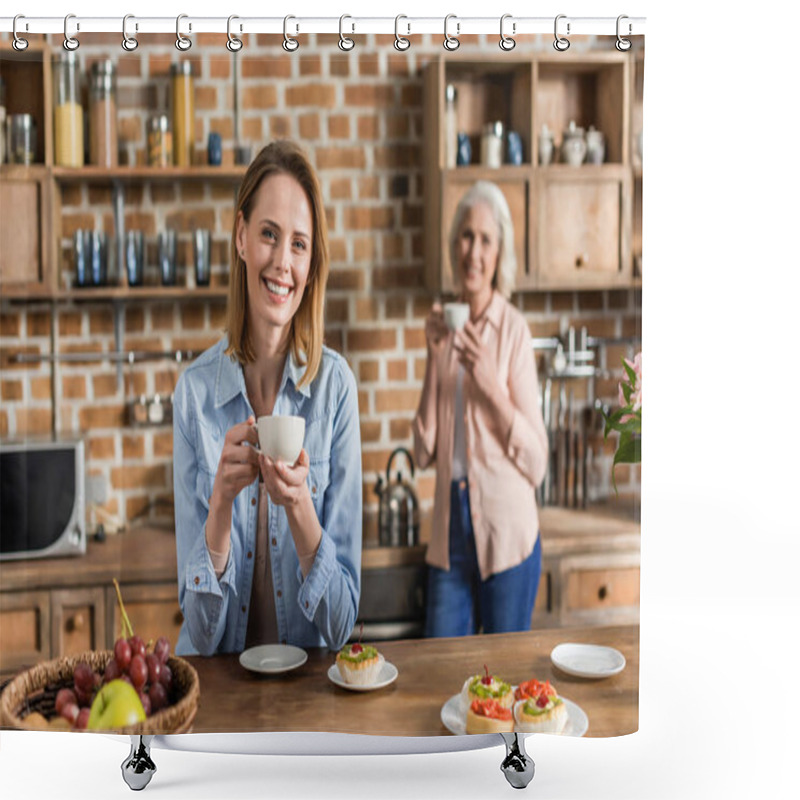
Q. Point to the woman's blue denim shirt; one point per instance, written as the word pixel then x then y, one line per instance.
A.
pixel 210 398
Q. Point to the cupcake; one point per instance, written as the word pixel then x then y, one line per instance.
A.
pixel 486 687
pixel 539 709
pixel 488 716
pixel 359 664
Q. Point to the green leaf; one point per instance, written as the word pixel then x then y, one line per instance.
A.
pixel 631 372
pixel 629 451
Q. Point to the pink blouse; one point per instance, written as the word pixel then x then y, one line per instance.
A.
pixel 504 466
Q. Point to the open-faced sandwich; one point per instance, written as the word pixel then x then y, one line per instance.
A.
pixel 486 687
pixel 488 716
pixel 539 709
pixel 359 664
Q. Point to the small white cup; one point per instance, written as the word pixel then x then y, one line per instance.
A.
pixel 281 437
pixel 456 315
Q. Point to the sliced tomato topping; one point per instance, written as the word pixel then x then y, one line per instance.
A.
pixel 491 709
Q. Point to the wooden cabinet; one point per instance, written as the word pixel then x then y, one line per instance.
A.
pixel 78 620
pixel 152 608
pixel 24 629
pixel 573 225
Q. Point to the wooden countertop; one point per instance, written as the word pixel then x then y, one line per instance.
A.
pixel 146 554
pixel 232 699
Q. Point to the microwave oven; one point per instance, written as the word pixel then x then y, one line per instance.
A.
pixel 42 499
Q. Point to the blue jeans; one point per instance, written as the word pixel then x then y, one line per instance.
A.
pixel 459 603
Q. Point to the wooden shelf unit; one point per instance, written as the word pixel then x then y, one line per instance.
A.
pixel 590 246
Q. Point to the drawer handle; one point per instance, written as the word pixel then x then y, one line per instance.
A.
pixel 76 622
pixel 581 260
pixel 602 592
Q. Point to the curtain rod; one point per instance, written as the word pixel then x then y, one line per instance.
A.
pixel 405 26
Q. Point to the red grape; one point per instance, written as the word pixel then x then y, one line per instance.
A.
pixel 166 677
pixel 83 698
pixel 137 646
pixel 153 667
pixel 113 671
pixel 146 703
pixel 70 712
pixel 162 649
pixel 83 719
pixel 83 677
pixel 122 653
pixel 127 678
pixel 138 671
pixel 158 697
pixel 63 697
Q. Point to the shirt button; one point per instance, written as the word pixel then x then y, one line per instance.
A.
pixel 244 608
pixel 253 502
pixel 249 553
pixel 196 580
pixel 274 542
pixel 313 490
pixel 306 603
pixel 279 593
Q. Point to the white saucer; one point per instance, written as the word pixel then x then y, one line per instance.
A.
pixel 587 660
pixel 387 675
pixel 272 659
pixel 454 717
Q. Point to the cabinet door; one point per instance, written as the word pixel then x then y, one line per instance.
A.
pixel 584 228
pixel 152 608
pixel 78 621
pixel 25 240
pixel 24 629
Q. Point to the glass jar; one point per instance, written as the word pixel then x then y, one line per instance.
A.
pixel 450 126
pixel 159 141
pixel 182 114
pixel 21 139
pixel 68 110
pixel 103 142
pixel 492 145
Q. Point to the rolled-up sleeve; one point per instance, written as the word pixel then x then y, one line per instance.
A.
pixel 424 426
pixel 203 598
pixel 527 439
pixel 329 595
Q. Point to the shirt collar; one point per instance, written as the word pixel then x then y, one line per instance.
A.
pixel 230 377
pixel 494 311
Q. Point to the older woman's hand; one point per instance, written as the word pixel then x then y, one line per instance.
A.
pixel 285 484
pixel 435 329
pixel 476 359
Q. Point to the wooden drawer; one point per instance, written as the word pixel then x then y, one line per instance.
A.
pixel 78 620
pixel 152 608
pixel 24 629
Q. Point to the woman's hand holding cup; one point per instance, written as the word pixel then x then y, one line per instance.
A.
pixel 285 484
pixel 238 463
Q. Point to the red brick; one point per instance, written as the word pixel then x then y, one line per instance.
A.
pixel 397 370
pixel 261 96
pixel 104 386
pixel 370 94
pixel 368 370
pixel 343 278
pixel 371 339
pixel 338 64
pixel 70 323
pixel 368 217
pixel 11 390
pixel 370 431
pixel 313 94
pixel 91 417
pixel 340 189
pixel 367 309
pixel 368 64
pixel 339 126
pixel 400 277
pixel 149 477
pixel 38 323
pixel 369 127
pixel 414 338
pixel 162 444
pixel 260 67
pixel 400 429
pixel 309 125
pixel 101 448
pixel 280 126
pixel 341 158
pixel 32 421
pixel 310 65
pixel 10 325
pixel 40 388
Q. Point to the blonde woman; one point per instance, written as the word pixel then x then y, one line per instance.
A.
pixel 267 551
pixel 479 421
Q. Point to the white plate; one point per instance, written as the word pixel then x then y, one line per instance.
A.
pixel 387 675
pixel 455 720
pixel 587 660
pixel 272 659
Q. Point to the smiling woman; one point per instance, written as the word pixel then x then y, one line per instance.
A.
pixel 269 552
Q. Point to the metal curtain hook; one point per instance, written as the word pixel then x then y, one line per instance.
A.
pixel 70 43
pixel 451 43
pixel 623 45
pixel 400 42
pixel 129 43
pixel 233 44
pixel 506 42
pixel 182 43
pixel 19 44
pixel 345 43
pixel 289 44
pixel 561 44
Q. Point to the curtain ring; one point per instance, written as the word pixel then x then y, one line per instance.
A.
pixel 561 44
pixel 70 43
pixel 506 42
pixel 400 42
pixel 289 44
pixel 233 44
pixel 451 43
pixel 345 43
pixel 129 43
pixel 19 44
pixel 623 45
pixel 182 43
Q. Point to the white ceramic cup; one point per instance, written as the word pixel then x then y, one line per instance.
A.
pixel 281 437
pixel 456 315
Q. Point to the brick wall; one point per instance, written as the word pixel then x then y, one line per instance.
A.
pixel 359 115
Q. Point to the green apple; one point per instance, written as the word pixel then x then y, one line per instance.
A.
pixel 117 705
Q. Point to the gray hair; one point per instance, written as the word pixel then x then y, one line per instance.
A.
pixel 489 194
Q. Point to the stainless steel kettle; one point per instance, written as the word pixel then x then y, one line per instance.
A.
pixel 398 512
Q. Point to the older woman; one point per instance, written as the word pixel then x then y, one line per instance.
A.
pixel 267 551
pixel 479 420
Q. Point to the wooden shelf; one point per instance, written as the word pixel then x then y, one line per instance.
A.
pixel 90 294
pixel 138 174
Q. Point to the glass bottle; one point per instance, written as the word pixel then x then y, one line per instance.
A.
pixel 159 141
pixel 492 145
pixel 450 126
pixel 103 141
pixel 68 110
pixel 182 114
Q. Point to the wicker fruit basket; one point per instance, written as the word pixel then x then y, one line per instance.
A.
pixel 36 688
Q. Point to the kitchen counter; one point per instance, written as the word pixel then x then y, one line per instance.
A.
pixel 232 699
